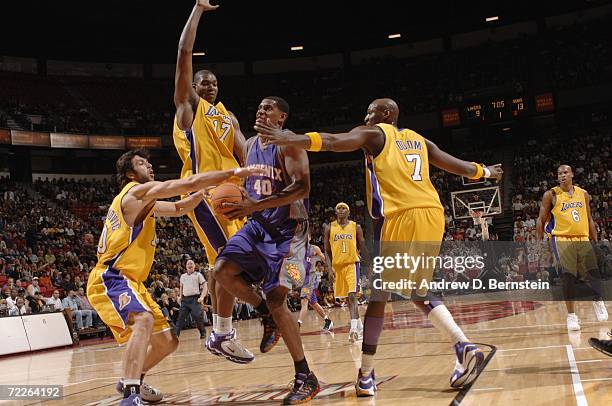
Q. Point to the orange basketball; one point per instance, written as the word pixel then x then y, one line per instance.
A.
pixel 225 193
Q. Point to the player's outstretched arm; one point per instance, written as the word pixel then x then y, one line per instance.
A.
pixel 369 138
pixel 162 190
pixel 180 208
pixel 449 163
pixel 545 209
pixel 185 97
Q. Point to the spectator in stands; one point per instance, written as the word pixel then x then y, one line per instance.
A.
pixel 73 303
pixel 67 284
pixel 36 303
pixel 85 305
pixel 20 308
pixel 11 301
pixel 33 289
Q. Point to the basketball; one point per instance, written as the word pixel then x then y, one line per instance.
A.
pixel 225 193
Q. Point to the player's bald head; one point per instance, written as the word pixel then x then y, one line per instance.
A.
pixel 564 167
pixel 382 111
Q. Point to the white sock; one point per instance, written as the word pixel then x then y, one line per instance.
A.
pixel 442 320
pixel 215 321
pixel 354 324
pixel 367 363
pixel 127 382
pixel 359 324
pixel 224 325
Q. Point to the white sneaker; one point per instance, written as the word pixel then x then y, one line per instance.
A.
pixel 573 323
pixel 600 310
pixel 353 335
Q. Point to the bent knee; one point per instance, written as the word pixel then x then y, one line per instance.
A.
pixel 141 321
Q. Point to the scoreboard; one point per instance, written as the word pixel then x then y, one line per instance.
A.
pixel 497 109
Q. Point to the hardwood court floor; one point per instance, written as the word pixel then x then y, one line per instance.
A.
pixel 536 363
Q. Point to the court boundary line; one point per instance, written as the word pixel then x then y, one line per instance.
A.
pixel 576 383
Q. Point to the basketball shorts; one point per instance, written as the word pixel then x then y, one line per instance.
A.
pixel 273 257
pixel 308 290
pixel 114 297
pixel 213 231
pixel 574 254
pixel 415 233
pixel 347 279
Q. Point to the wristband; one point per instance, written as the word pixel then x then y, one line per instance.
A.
pixel 479 171
pixel 487 172
pixel 315 141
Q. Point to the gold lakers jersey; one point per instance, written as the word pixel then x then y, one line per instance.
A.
pixel 398 178
pixel 209 144
pixel 569 215
pixel 343 243
pixel 127 249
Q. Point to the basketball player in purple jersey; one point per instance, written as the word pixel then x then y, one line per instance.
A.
pixel 272 247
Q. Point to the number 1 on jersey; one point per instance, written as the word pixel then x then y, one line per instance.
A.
pixel 416 158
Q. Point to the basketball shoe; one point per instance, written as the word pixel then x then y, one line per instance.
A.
pixel 366 384
pixel 468 364
pixel 228 346
pixel 132 400
pixel 305 387
pixel 573 323
pixel 355 335
pixel 147 393
pixel 604 346
pixel 328 326
pixel 271 333
pixel 600 310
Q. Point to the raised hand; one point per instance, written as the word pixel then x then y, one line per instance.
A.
pixel 496 171
pixel 205 5
pixel 273 134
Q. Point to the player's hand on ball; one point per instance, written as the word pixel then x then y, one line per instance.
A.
pixel 250 170
pixel 205 5
pixel 237 210
pixel 496 171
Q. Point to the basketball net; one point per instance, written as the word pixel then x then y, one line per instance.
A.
pixel 477 217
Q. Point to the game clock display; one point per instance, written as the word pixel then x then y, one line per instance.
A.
pixel 496 109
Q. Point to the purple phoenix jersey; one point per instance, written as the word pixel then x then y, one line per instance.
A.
pixel 272 247
pixel 273 181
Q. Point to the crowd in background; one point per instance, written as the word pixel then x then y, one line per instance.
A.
pixel 556 58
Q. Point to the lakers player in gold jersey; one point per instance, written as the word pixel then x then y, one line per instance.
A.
pixel 207 137
pixel 344 243
pixel 567 213
pixel 125 254
pixel 406 208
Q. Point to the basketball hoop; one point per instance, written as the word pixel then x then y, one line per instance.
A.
pixel 476 216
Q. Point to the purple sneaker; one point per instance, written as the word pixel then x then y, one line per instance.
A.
pixel 365 385
pixel 228 346
pixel 470 360
pixel 148 393
pixel 133 400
